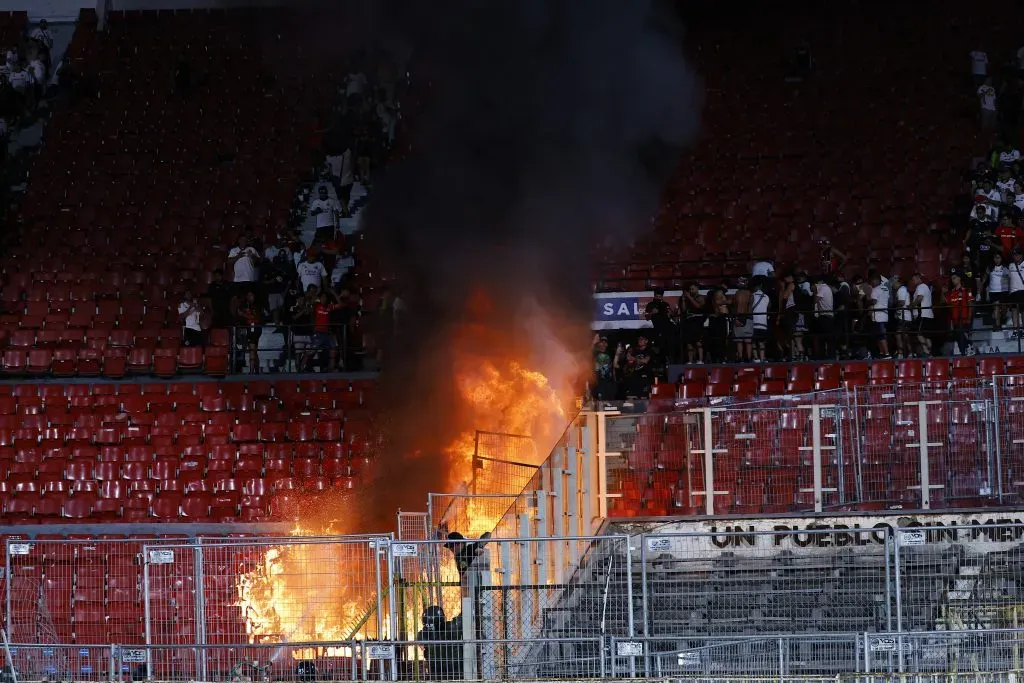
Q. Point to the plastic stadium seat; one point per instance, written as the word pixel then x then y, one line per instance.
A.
pixel 165 362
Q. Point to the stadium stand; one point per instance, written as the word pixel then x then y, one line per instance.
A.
pixel 151 452
pixel 153 186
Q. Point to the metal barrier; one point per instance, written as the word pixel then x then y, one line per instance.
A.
pixel 765 602
pixel 914 445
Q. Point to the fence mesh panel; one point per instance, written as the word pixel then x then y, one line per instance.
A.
pixel 502 463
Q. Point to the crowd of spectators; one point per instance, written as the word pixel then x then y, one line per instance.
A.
pixel 299 286
pixel 793 316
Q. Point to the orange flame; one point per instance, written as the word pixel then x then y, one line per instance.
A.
pixel 311 592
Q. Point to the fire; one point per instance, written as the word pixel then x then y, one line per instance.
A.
pixel 308 591
pixel 501 397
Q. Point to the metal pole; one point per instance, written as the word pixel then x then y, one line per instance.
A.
pixel 612 655
pixel 889 541
pixel 867 654
pixel 7 651
pixel 996 425
pixel 816 456
pixel 629 600
pixel 392 612
pixel 643 602
pixel 147 615
pixel 7 575
pixel 782 660
pixel 855 408
pixel 377 542
pixel 899 583
pixel 709 463
pixel 110 662
pixel 202 654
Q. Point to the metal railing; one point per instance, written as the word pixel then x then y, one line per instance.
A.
pixel 935 597
pixel 911 444
pixel 290 349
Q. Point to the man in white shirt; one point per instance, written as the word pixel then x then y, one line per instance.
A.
pixel 979 66
pixel 878 304
pixel 311 272
pixel 344 263
pixel 190 311
pixel 987 100
pixel 326 211
pixel 824 318
pixel 901 307
pixel 923 314
pixel 763 269
pixel 1015 288
pixel 996 281
pixel 244 262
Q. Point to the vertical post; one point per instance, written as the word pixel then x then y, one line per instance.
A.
pixel 629 600
pixel 855 408
pixel 393 631
pixel 572 493
pixel 378 545
pixel 889 542
pixel 202 655
pixel 997 428
pixel 643 603
pixel 558 518
pixel 586 458
pixel 525 574
pixel 922 449
pixel 782 659
pixel 602 467
pixel 709 462
pixel 899 581
pixel 146 611
pixel 7 582
pixel 816 463
pixel 867 654
pixel 110 663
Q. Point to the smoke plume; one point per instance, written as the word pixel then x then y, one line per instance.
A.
pixel 538 129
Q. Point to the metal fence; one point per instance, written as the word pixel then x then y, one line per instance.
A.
pixel 769 600
pixel 912 445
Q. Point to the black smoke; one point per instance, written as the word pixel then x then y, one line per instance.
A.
pixel 536 129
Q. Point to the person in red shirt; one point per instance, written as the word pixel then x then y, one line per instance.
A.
pixel 959 300
pixel 1008 234
pixel 323 336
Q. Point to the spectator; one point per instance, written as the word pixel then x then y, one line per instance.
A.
pixel 959 301
pixel 923 313
pixel 248 320
pixel 355 85
pixel 824 319
pixel 311 272
pixel 37 68
pixel 1015 288
pixel 42 36
pixel 987 101
pixel 340 167
pixel 759 317
pixel 219 294
pixel 979 67
pixel 342 265
pixel 640 371
pixel 323 336
pixel 1008 236
pixel 604 370
pixel 763 268
pixel 878 304
pixel 691 311
pixel 717 335
pixel 901 311
pixel 966 270
pixel 441 652
pixel 275 276
pixel 842 301
pixel 326 211
pixel 243 259
pixel 658 312
pixel 190 311
pixel 832 259
pixel 996 282
pixel 981 244
pixel 743 324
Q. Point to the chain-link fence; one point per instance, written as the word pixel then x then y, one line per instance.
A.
pixel 771 600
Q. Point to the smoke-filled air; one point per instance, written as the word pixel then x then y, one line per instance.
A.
pixel 535 129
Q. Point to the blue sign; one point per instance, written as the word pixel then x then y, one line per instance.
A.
pixel 86 669
pixel 83 652
pixel 47 651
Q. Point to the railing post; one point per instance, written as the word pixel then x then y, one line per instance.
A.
pixel 997 429
pixel 202 656
pixel 922 448
pixel 867 654
pixel 708 451
pixel 899 579
pixel 146 611
pixel 7 584
pixel 629 599
pixel 858 461
pixel 644 604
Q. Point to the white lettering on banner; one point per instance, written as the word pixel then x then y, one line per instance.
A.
pixel 381 651
pixel 836 532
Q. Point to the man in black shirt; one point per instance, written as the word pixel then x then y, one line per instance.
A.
pixel 465 551
pixel 659 313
